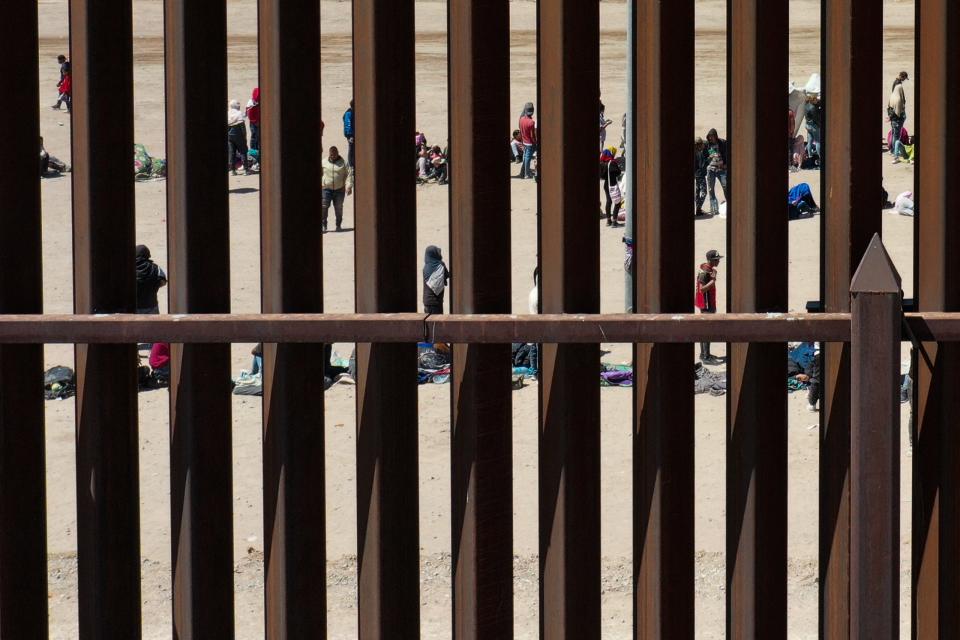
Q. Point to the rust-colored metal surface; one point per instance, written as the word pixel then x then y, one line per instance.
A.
pixel 854 94
pixel 936 454
pixel 875 448
pixel 386 281
pixel 481 404
pixel 294 515
pixel 568 101
pixel 758 270
pixel 108 524
pixel 663 495
pixel 23 534
pixel 198 256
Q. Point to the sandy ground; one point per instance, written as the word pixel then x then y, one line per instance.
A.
pixel 432 228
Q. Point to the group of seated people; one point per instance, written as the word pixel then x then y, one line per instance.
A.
pixel 431 161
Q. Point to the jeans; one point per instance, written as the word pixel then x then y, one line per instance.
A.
pixel 256 366
pixel 712 176
pixel 334 196
pixel 896 125
pixel 350 156
pixel 528 150
pixel 255 136
pixel 700 191
pixel 814 145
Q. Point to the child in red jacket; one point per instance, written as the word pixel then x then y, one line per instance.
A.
pixel 66 87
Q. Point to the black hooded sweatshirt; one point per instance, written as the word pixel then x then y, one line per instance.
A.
pixel 150 278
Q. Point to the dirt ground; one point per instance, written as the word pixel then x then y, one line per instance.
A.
pixel 432 228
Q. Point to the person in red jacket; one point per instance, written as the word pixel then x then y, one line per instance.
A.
pixel 253 115
pixel 706 299
pixel 66 90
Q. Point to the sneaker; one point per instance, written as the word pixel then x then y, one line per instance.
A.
pixel 895 161
pixel 339 228
pixel 55 107
pixel 812 408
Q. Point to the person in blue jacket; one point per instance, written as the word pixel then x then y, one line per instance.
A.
pixel 348 133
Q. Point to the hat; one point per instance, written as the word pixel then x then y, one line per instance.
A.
pixel 713 254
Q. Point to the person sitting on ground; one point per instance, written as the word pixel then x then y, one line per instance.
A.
pixel 50 164
pixel 898 147
pixel 439 161
pixel 150 278
pixel 160 361
pixel 435 278
pixel 904 204
pixel 236 138
pixel 800 202
pixel 516 147
pixel 419 140
pixel 799 153
pixel 424 168
pixel 700 163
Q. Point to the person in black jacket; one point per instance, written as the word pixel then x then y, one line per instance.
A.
pixel 435 278
pixel 150 278
pixel 699 175
pixel 610 174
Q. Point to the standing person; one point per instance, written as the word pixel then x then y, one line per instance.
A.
pixel 700 162
pixel 528 135
pixel 64 70
pixel 337 182
pixel 897 109
pixel 717 160
pixel 65 87
pixel 604 123
pixel 253 115
pixel 516 147
pixel 348 133
pixel 813 114
pixel 150 277
pixel 236 138
pixel 706 299
pixel 610 172
pixel 435 278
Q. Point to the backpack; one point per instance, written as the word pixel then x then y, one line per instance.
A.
pixel 59 383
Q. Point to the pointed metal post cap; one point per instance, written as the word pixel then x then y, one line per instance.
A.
pixel 876 273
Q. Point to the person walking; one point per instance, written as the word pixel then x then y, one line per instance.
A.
pixel 64 72
pixel 897 109
pixel 528 135
pixel 253 115
pixel 706 299
pixel 435 278
pixel 236 138
pixel 150 277
pixel 337 183
pixel 700 162
pixel 348 133
pixel 717 161
pixel 610 173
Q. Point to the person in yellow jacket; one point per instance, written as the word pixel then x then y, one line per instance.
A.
pixel 337 183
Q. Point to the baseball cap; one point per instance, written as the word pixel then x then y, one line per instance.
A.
pixel 713 254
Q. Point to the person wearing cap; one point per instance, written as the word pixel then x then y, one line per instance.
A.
pixel 897 109
pixel 706 300
pixel 528 135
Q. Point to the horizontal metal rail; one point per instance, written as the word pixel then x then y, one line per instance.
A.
pixel 459 329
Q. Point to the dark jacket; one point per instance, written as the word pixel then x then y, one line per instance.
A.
pixel 150 278
pixel 700 162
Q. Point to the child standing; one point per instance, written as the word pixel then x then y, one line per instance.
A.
pixel 706 299
pixel 435 277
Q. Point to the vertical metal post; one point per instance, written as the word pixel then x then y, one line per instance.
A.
pixel 629 206
pixel 662 116
pixel 23 536
pixel 481 460
pixel 108 527
pixel 292 275
pixel 936 458
pixel 853 91
pixel 199 272
pixel 569 92
pixel 387 278
pixel 758 247
pixel 875 448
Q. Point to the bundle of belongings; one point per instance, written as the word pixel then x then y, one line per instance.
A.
pixel 253 160
pixel 707 381
pixel 59 383
pixel 526 358
pixel 146 167
pixel 434 363
pixel 803 366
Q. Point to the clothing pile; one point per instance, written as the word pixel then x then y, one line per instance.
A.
pixel 616 375
pixel 526 357
pixel 59 383
pixel 707 381
pixel 433 364
pixel 146 167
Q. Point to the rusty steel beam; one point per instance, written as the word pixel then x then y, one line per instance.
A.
pixel 481 404
pixel 108 526
pixel 936 485
pixel 23 536
pixel 198 255
pixel 461 329
pixel 875 447
pixel 386 259
pixel 758 267
pixel 568 100
pixel 294 517
pixel 663 477
pixel 853 88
